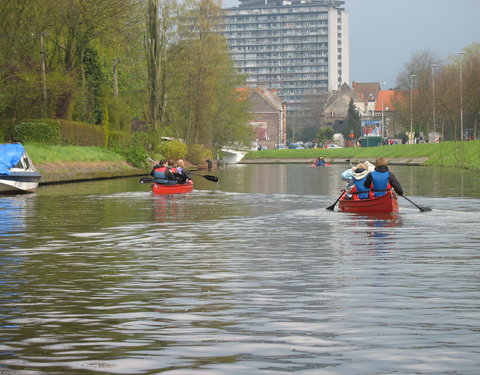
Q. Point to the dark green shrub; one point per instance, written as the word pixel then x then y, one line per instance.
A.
pixel 38 132
pixel 198 153
pixel 119 140
pixel 81 134
pixel 135 156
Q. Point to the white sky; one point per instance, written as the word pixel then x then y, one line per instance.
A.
pixel 384 34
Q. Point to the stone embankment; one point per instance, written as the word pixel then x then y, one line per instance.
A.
pixel 53 173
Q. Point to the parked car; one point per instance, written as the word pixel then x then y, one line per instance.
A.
pixel 280 146
pixel 295 146
pixel 332 145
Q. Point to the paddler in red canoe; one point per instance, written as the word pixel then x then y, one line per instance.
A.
pixel 320 162
pixel 381 179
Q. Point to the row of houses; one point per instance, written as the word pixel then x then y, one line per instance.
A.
pixel 269 112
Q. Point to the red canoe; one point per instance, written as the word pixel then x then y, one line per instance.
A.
pixel 172 189
pixel 385 204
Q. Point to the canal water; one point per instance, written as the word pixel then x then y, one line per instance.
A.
pixel 250 275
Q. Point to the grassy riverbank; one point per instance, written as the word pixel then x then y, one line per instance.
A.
pixel 446 154
pixel 76 163
pixel 42 154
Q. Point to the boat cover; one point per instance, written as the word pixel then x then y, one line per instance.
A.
pixel 10 155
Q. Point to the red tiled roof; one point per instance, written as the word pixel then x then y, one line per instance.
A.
pixel 388 98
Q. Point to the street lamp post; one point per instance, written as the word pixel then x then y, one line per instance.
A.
pixel 411 106
pixel 461 96
pixel 433 99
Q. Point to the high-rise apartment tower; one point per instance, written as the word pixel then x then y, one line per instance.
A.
pixel 298 48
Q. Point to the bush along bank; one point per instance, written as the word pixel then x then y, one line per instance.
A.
pixel 464 154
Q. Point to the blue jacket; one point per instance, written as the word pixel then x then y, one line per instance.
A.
pixel 382 179
pixel 359 176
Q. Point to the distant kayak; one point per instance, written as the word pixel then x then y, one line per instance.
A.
pixel 326 165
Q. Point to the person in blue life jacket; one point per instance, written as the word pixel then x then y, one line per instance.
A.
pixel 320 162
pixel 162 174
pixel 347 174
pixel 381 179
pixel 356 189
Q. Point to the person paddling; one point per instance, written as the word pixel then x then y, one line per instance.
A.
pixel 182 174
pixel 381 179
pixel 320 162
pixel 162 174
pixel 357 189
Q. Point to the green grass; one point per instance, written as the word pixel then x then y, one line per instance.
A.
pixel 445 154
pixel 41 154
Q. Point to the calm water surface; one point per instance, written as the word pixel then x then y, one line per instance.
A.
pixel 247 276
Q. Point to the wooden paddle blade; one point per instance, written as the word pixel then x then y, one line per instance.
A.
pixel 146 180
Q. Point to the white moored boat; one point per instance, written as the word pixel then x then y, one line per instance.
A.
pixel 17 173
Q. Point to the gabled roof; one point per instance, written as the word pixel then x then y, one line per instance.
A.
pixel 344 93
pixel 269 96
pixel 367 91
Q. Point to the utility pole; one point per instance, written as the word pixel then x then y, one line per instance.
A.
pixel 411 138
pixel 461 97
pixel 433 101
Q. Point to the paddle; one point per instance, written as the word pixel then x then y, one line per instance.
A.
pixel 146 180
pixel 207 176
pixel 333 205
pixel 422 209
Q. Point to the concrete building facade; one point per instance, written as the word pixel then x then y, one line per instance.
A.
pixel 298 48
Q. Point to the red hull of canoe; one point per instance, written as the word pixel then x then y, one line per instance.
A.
pixel 385 204
pixel 172 189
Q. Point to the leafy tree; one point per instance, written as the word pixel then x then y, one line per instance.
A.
pixel 158 26
pixel 353 119
pixel 325 134
pixel 204 107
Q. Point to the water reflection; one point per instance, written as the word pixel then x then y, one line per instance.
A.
pixel 12 215
pixel 378 228
pixel 171 207
pixel 240 277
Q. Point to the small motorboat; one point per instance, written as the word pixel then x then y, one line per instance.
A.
pixel 387 203
pixel 172 189
pixel 17 173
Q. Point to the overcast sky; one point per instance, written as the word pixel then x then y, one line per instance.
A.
pixel 384 34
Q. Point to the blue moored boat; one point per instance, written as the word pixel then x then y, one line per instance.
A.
pixel 17 173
